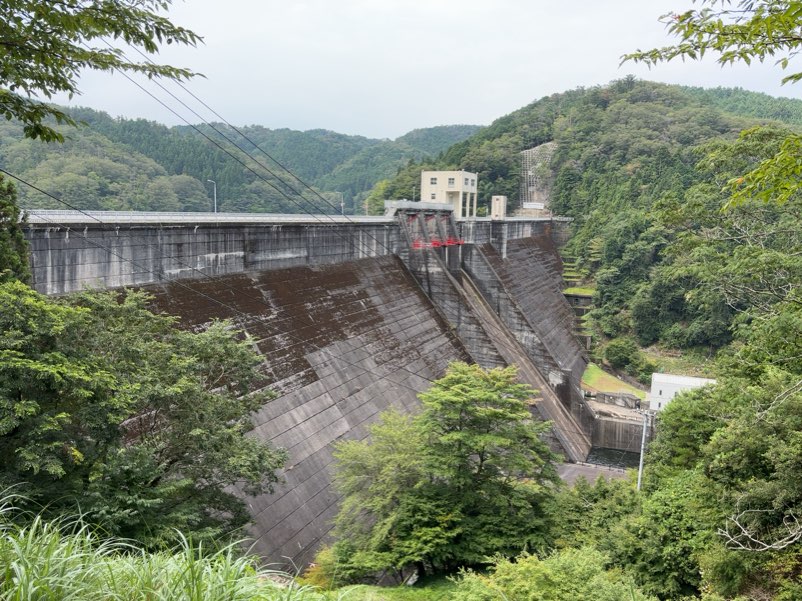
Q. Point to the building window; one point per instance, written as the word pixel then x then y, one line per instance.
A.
pixel 434 196
pixel 433 181
pixel 473 182
pixel 466 181
pixel 450 182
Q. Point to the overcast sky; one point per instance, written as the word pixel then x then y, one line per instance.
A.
pixel 380 68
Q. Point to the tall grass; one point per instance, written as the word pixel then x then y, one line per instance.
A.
pixel 63 561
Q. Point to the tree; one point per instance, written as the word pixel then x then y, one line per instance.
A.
pixel 662 546
pixel 109 408
pixel 621 352
pixel 590 514
pixel 744 31
pixel 377 196
pixel 466 478
pixel 44 46
pixel 387 519
pixel 480 430
pixel 741 31
pixel 13 247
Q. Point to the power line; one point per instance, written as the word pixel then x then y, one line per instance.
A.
pixel 237 159
pixel 247 318
pixel 236 129
pixel 230 154
pixel 195 128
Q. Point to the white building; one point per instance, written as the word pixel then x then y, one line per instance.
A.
pixel 457 188
pixel 666 386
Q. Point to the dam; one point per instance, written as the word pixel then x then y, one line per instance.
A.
pixel 353 316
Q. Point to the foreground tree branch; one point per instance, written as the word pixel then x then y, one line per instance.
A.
pixel 743 31
pixel 738 534
pixel 45 46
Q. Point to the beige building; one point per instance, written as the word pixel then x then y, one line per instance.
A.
pixel 498 207
pixel 457 188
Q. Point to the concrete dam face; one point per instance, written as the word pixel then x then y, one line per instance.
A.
pixel 353 317
pixel 342 343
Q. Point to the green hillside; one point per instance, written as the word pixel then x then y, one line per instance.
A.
pixel 625 154
pixel 613 125
pixel 142 165
pixel 750 104
pixel 686 265
pixel 434 140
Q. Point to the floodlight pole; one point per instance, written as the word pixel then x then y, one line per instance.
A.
pixel 214 183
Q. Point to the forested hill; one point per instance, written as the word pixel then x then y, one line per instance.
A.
pixel 686 225
pixel 631 159
pixel 142 165
pixel 750 104
pixel 628 125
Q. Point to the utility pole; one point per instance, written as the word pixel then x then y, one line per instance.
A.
pixel 214 183
pixel 642 447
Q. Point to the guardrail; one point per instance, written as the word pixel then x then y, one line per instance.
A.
pixel 58 216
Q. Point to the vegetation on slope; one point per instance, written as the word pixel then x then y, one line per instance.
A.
pixel 112 410
pixel 122 164
pixel 596 379
pixel 694 257
pixel 58 560
pixel 754 105
pixel 642 131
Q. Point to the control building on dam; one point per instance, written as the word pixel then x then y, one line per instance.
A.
pixel 353 315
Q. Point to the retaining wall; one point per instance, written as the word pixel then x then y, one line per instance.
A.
pixel 619 434
pixel 531 302
pixel 432 275
pixel 71 250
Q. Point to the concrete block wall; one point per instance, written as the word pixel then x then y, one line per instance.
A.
pixel 476 231
pixel 71 251
pixel 619 434
pixel 505 307
pixel 497 232
pixel 342 343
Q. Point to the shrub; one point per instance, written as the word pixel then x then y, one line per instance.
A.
pixel 621 352
pixel 570 575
